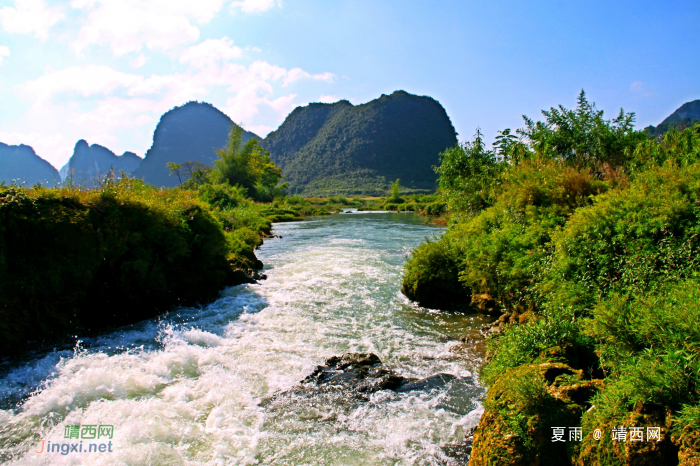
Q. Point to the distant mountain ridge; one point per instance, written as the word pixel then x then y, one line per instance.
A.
pixel 91 162
pixel 322 149
pixel 190 132
pixel 21 164
pixel 685 116
pixel 341 148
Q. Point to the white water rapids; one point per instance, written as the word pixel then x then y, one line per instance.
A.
pixel 190 389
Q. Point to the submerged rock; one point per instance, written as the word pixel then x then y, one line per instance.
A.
pixel 361 371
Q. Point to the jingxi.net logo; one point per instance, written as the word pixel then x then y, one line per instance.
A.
pixel 90 438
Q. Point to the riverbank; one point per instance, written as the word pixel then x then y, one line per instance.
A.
pixel 582 238
pixel 80 261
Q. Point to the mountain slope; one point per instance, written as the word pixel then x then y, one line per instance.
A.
pixel 341 148
pixel 686 115
pixel 90 162
pixel 21 163
pixel 190 132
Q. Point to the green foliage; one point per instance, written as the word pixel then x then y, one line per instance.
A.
pixel 175 168
pixel 395 198
pixel 248 166
pixel 135 250
pixel 584 232
pixel 431 277
pixel 629 239
pixel 681 147
pixel 677 125
pixel 582 137
pixel 540 340
pixel 468 175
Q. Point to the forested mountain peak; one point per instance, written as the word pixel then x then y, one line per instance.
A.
pixel 685 116
pixel 189 132
pixel 358 149
pixel 90 162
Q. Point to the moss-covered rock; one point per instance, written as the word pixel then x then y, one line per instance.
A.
pixel 521 408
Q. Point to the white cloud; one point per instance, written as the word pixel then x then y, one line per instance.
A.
pixel 210 51
pixel 326 77
pixel 129 25
pixel 117 112
pixel 83 80
pixel 297 73
pixel 328 99
pixel 130 103
pixel 4 52
pixel 254 6
pixel 641 90
pixel 260 130
pixel 30 16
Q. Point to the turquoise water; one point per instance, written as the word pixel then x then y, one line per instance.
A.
pixel 191 388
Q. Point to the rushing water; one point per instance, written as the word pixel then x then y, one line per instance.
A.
pixel 191 388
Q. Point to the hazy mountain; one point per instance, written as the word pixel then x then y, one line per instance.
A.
pixel 20 163
pixel 190 132
pixel 89 163
pixel 347 149
pixel 687 115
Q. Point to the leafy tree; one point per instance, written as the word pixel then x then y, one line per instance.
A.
pixel 175 168
pixel 582 137
pixel 467 173
pixel 395 189
pixel 248 166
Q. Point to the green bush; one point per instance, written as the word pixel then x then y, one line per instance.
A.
pixel 431 277
pixel 585 233
pixel 136 251
pixel 629 240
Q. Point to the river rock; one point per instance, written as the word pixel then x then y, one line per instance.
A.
pixel 434 381
pixel 361 371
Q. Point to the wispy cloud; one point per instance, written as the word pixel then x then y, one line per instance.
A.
pixel 210 51
pixel 30 16
pixel 130 25
pixel 328 99
pixel 129 99
pixel 640 89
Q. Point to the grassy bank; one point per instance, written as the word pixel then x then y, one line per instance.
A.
pixel 582 235
pixel 79 261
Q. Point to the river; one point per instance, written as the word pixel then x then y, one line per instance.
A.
pixel 191 388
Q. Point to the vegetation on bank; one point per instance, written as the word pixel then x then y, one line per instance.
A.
pixel 581 233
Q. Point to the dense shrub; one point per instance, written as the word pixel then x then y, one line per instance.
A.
pixel 584 232
pixel 79 261
pixel 431 277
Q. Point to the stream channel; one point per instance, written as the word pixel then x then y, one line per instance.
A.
pixel 195 387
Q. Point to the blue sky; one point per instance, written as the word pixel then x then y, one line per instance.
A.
pixel 105 70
